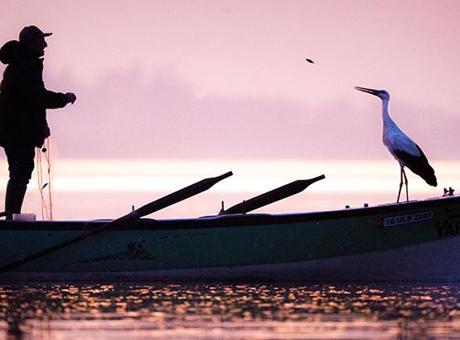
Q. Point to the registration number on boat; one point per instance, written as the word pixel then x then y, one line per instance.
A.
pixel 406 219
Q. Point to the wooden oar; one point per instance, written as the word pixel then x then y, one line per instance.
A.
pixel 271 196
pixel 147 209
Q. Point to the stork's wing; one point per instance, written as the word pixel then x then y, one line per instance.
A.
pixel 418 164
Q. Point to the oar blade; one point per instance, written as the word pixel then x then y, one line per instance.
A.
pixel 180 195
pixel 271 196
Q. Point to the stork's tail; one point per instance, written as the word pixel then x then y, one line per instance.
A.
pixel 430 178
pixel 425 171
pixel 419 165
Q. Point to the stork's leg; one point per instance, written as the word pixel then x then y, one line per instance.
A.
pixel 406 182
pixel 400 184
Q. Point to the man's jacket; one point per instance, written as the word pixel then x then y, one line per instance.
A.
pixel 24 98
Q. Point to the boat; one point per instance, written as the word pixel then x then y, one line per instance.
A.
pixel 409 241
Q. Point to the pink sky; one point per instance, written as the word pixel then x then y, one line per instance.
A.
pixel 216 78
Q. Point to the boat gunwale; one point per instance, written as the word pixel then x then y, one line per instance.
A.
pixel 237 220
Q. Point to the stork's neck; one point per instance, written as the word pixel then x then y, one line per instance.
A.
pixel 385 114
pixel 388 124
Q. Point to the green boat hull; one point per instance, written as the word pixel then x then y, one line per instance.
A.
pixel 387 242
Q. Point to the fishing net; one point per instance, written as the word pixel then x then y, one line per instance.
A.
pixel 44 180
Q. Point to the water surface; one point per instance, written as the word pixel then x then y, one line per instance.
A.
pixel 229 311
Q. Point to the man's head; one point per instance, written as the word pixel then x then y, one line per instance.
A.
pixel 34 38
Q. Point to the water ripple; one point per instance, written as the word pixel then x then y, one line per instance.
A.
pixel 230 310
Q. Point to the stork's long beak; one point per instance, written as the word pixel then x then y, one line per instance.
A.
pixel 364 89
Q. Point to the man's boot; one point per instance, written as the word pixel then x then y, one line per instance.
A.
pixel 14 198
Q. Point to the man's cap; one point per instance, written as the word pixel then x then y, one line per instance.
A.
pixel 30 33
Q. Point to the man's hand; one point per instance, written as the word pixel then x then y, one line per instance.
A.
pixel 71 97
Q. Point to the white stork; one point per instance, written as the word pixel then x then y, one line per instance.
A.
pixel 403 149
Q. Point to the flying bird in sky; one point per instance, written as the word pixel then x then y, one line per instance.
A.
pixel 404 150
pixel 310 61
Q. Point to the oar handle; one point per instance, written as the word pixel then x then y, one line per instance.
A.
pixel 271 196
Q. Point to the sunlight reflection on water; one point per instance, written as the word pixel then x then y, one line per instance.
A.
pixel 229 311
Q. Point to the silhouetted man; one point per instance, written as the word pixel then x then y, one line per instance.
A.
pixel 23 103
